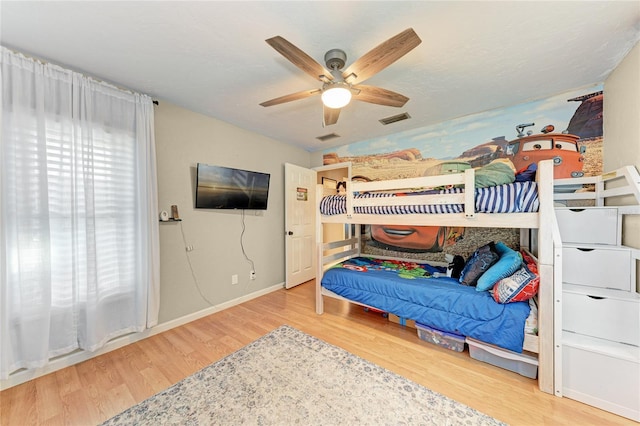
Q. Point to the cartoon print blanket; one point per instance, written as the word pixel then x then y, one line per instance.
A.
pixel 422 292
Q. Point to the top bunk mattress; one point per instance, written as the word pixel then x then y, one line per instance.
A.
pixel 516 197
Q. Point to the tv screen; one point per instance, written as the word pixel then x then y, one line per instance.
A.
pixel 226 188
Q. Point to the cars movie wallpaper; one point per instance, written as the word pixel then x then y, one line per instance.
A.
pixel 566 128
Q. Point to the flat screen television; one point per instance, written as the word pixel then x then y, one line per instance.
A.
pixel 227 188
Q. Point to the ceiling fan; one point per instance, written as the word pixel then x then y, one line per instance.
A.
pixel 340 86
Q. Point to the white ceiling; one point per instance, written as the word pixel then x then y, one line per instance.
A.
pixel 211 57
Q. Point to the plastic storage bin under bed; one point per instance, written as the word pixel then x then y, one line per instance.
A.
pixel 523 364
pixel 447 340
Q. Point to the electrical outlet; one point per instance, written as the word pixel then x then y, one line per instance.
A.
pixel 189 248
pixel 252 275
pixel 234 279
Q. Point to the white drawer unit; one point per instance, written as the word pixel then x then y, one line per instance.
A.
pixel 598 266
pixel 589 225
pixel 600 311
pixel 602 374
pixel 606 314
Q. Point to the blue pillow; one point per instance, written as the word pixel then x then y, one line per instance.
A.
pixel 510 261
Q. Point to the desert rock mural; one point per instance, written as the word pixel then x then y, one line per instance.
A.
pixel 521 133
pixel 586 122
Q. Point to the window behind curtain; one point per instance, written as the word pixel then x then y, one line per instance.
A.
pixel 108 170
pixel 79 200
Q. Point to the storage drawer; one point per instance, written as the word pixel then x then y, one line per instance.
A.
pixel 597 266
pixel 452 341
pixel 602 378
pixel 523 364
pixel 607 314
pixel 590 225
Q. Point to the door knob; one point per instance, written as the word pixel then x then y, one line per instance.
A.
pixel 289 233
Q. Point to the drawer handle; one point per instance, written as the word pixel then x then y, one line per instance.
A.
pixel 596 297
pixel 577 210
pixel 585 249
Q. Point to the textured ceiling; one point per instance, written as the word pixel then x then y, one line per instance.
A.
pixel 211 57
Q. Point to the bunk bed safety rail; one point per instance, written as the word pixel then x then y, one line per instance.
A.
pixel 620 182
pixel 341 243
pixel 349 248
pixel 410 183
pixel 335 258
pixel 466 197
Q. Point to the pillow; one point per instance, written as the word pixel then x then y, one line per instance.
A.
pixel 529 261
pixel 522 285
pixel 510 261
pixel 527 174
pixel 495 173
pixel 478 263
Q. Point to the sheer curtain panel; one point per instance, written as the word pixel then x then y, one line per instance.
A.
pixel 79 252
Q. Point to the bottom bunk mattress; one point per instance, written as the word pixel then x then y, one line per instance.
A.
pixel 418 291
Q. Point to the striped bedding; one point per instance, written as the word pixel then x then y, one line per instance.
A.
pixel 514 197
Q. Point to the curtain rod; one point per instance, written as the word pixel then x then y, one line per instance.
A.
pixel 45 62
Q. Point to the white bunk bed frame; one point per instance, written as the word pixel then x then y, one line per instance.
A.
pixel 545 244
pixel 620 182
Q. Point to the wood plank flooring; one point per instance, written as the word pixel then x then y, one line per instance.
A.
pixel 93 391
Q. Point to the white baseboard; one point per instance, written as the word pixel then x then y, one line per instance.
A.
pixel 80 356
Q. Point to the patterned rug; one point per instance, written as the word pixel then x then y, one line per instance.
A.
pixel 288 377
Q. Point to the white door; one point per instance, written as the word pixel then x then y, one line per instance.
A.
pixel 299 224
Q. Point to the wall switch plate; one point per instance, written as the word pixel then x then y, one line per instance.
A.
pixel 234 279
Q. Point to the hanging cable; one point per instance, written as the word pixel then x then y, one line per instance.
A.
pixel 242 244
pixel 193 274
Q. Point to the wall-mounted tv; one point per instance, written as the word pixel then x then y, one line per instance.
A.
pixel 226 188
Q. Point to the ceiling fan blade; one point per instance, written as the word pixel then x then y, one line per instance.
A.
pixel 291 97
pixel 381 56
pixel 380 96
pixel 300 59
pixel 330 116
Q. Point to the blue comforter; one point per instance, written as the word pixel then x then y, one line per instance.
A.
pixel 408 290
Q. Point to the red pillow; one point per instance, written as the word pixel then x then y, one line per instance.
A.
pixel 528 260
pixel 522 285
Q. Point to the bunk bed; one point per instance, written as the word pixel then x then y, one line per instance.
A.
pixel 370 203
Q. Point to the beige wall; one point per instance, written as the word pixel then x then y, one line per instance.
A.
pixel 622 131
pixel 622 113
pixel 316 158
pixel 184 138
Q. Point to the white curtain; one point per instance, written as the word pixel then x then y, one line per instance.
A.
pixel 79 245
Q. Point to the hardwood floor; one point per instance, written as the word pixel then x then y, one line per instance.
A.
pixel 93 391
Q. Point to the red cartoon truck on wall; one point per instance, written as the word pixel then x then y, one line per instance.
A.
pixel 568 157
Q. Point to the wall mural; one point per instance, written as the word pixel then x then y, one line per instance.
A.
pixel 567 127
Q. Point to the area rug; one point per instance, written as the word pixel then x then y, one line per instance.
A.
pixel 289 377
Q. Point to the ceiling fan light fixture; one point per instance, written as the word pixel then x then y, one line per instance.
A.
pixel 336 95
